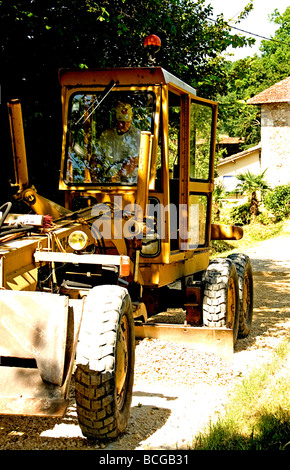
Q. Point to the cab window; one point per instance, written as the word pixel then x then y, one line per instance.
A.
pixel 103 137
pixel 200 140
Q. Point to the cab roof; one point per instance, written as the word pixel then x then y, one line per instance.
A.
pixel 126 76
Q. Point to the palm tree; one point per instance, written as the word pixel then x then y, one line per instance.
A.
pixel 250 184
pixel 218 196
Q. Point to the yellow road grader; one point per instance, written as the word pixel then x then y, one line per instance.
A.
pixel 80 281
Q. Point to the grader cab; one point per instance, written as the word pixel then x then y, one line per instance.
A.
pixel 80 282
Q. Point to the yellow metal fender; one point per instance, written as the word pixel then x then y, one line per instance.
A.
pixel 226 232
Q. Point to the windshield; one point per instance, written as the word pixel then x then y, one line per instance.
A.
pixel 104 136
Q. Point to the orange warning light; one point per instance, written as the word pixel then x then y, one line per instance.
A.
pixel 152 42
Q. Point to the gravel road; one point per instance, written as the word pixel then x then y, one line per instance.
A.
pixel 177 390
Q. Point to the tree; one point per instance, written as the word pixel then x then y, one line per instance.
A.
pixel 276 54
pixel 219 194
pixel 278 201
pixel 248 77
pixel 38 37
pixel 250 184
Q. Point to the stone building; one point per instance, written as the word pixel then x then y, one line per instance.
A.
pixel 275 131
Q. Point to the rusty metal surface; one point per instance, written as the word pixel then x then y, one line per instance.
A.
pixel 215 340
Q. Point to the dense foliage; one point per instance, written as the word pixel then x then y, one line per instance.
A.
pixel 250 76
pixel 278 201
pixel 38 37
pixel 241 215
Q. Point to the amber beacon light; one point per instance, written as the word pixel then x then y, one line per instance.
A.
pixel 152 43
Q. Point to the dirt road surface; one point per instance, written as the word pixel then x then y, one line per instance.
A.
pixel 177 390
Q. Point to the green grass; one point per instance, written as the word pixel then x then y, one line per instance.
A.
pixel 257 414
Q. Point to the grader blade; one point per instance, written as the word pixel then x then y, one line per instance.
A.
pixel 214 340
pixel 24 393
pixel 38 338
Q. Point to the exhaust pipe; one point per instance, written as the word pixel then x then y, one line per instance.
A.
pixel 18 144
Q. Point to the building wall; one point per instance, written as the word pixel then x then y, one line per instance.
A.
pixel 275 137
pixel 229 170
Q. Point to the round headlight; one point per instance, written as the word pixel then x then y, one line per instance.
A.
pixel 78 240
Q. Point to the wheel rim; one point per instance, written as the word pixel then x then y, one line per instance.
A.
pixel 122 361
pixel 246 296
pixel 231 304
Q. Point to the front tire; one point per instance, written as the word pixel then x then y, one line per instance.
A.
pixel 105 363
pixel 221 296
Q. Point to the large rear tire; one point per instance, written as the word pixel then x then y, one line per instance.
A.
pixel 245 276
pixel 105 363
pixel 221 296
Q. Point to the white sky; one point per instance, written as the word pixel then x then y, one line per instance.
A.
pixel 257 21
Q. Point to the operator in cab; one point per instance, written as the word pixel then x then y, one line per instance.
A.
pixel 118 147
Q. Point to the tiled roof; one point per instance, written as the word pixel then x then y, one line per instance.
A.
pixel 225 139
pixel 280 92
pixel 235 157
